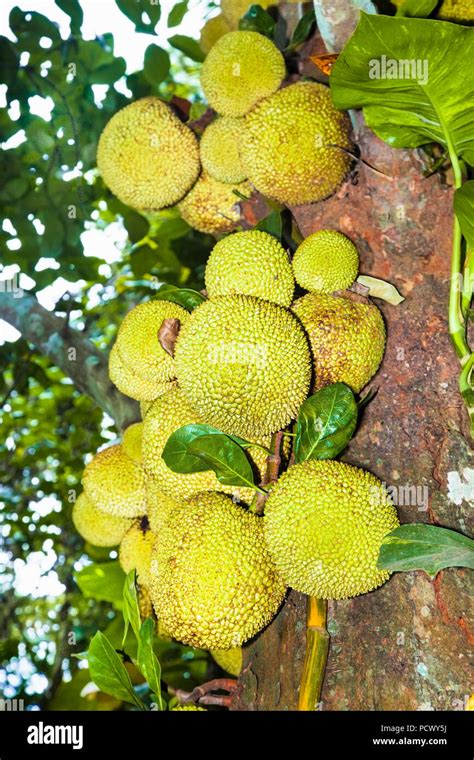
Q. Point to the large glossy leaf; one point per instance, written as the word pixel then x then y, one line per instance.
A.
pixel 185 297
pixel 464 209
pixel 108 671
pixel 177 452
pixel 414 79
pixel 326 423
pixel 425 547
pixel 148 662
pixel 228 460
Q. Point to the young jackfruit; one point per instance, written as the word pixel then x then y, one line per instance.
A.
pixel 291 146
pixel 115 484
pixel 457 10
pixel 324 525
pixel 326 261
pixel 187 708
pixel 212 206
pixel 136 549
pixel 131 384
pixel 212 30
pixel 229 660
pixel 213 583
pixel 138 343
pixel 252 263
pixel 347 338
pixel 95 526
pixel 146 156
pixel 243 364
pixel 132 442
pixel 219 148
pixel 239 70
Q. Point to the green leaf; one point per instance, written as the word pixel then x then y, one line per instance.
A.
pixel 303 29
pixel 431 102
pixel 417 8
pixel 136 225
pixel 197 110
pixel 226 458
pixel 188 46
pixel 148 663
pixel 326 423
pixel 108 671
pixel 381 289
pixel 425 547
pixel 131 610
pixel 273 224
pixel 258 20
pixel 177 13
pixel 156 65
pixel 176 452
pixel 464 210
pixel 142 260
pixel 74 11
pixel 134 10
pixel 185 297
pixel 103 581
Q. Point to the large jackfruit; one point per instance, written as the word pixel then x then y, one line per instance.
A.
pixel 244 365
pixel 324 525
pixel 219 148
pixel 97 527
pixel 347 338
pixel 212 206
pixel 213 583
pixel 115 484
pixel 293 145
pixel 146 156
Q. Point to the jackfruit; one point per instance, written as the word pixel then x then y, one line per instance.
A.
pixel 145 605
pixel 194 708
pixel 229 660
pixel 347 338
pixel 239 70
pixel 213 584
pixel 291 145
pixel 324 525
pixel 212 206
pixel 326 261
pixel 135 550
pixel 252 263
pixel 95 526
pixel 457 10
pixel 233 10
pixel 115 484
pixel 244 365
pixel 131 384
pixel 219 148
pixel 146 156
pixel 139 347
pixel 212 30
pixel 132 442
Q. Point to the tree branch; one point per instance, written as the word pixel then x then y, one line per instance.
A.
pixel 69 350
pixel 337 19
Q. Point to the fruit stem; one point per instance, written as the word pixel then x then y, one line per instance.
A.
pixel 317 648
pixel 271 474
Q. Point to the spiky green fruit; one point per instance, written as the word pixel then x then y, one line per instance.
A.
pixel 98 528
pixel 239 70
pixel 136 550
pixel 326 261
pixel 219 149
pixel 252 263
pixel 146 156
pixel 212 206
pixel 293 145
pixel 324 525
pixel 130 383
pixel 229 660
pixel 243 364
pixel 132 442
pixel 115 484
pixel 213 583
pixel 347 338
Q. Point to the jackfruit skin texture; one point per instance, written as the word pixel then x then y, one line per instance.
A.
pixel 132 442
pixel 239 70
pixel 145 604
pixel 244 365
pixel 252 263
pixel 136 549
pixel 457 10
pixel 229 660
pixel 138 345
pixel 96 527
pixel 131 384
pixel 115 484
pixel 212 30
pixel 213 583
pixel 325 262
pixel 347 339
pixel 324 525
pixel 212 206
pixel 187 708
pixel 146 156
pixel 285 146
pixel 219 149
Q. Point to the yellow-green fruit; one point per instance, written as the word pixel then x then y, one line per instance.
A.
pixel 138 344
pixel 324 525
pixel 135 550
pixel 239 70
pixel 287 147
pixel 219 149
pixel 132 442
pixel 115 484
pixel 347 338
pixel 194 708
pixel 326 261
pixel 212 30
pixel 212 206
pixel 213 583
pixel 244 365
pixel 252 263
pixel 457 10
pixel 146 156
pixel 145 604
pixel 131 384
pixel 233 10
pixel 229 660
pixel 97 527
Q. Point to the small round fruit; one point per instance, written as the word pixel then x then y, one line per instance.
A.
pixel 115 484
pixel 96 527
pixel 325 262
pixel 212 206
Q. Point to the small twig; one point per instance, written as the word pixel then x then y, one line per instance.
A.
pixel 203 694
pixel 271 473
